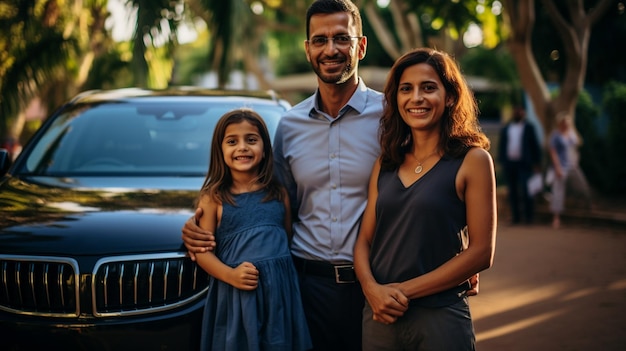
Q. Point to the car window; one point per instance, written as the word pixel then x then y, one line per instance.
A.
pixel 134 139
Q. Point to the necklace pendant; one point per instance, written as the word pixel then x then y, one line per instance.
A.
pixel 418 169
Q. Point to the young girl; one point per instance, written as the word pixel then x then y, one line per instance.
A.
pixel 253 302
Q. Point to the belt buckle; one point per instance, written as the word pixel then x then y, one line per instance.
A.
pixel 338 277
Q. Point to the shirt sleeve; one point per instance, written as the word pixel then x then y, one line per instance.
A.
pixel 282 170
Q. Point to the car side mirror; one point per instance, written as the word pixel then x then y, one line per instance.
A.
pixel 5 161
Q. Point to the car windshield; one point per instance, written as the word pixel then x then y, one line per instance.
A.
pixel 133 138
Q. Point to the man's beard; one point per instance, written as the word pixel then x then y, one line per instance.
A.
pixel 336 78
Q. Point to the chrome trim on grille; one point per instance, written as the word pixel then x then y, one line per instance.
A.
pixel 144 284
pixel 39 290
pixel 50 286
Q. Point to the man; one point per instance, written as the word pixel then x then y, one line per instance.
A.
pixel 519 154
pixel 324 150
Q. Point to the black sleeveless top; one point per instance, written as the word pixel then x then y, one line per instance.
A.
pixel 418 228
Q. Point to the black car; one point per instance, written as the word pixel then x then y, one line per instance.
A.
pixel 91 213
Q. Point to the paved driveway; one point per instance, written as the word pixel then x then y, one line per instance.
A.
pixel 553 290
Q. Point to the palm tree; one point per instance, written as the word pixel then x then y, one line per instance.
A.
pixel 239 33
pixel 51 45
pixel 155 19
pixel 31 54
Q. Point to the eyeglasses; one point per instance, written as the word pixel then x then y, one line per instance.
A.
pixel 341 41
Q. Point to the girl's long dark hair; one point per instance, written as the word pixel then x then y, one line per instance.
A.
pixel 219 179
pixel 460 129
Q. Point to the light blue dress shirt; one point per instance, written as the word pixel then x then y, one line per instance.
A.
pixel 325 163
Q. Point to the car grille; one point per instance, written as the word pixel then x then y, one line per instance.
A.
pixel 39 286
pixel 138 284
pixel 120 286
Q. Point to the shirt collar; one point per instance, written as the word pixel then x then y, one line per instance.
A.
pixel 357 102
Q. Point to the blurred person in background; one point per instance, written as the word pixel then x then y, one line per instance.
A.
pixel 519 154
pixel 563 146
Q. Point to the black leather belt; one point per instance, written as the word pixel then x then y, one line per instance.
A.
pixel 342 273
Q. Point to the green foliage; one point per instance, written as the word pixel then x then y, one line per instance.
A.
pixel 606 35
pixel 615 105
pixel 606 61
pixel 190 64
pixel 155 18
pixel 30 128
pixel 592 154
pixel 109 71
pixel 227 23
pixel 291 58
pixel 292 62
pixel 602 154
pixel 33 48
pixel 376 55
pixel 43 43
pixel 456 15
pixel 498 67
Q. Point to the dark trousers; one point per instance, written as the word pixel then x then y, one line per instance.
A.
pixel 333 312
pixel 517 175
pixel 446 328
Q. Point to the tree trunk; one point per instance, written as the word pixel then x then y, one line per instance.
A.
pixel 407 27
pixel 575 36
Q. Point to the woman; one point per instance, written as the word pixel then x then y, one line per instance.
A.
pixel 430 220
pixel 563 145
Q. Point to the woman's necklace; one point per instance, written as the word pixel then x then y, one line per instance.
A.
pixel 419 167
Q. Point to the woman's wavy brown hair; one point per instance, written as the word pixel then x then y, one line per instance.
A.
pixel 460 129
pixel 219 179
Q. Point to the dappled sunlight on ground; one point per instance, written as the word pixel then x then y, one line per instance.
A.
pixel 553 290
pixel 516 325
pixel 522 298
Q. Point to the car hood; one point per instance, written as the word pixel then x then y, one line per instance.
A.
pixel 98 216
